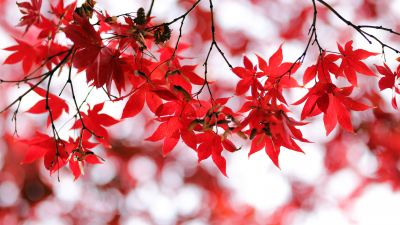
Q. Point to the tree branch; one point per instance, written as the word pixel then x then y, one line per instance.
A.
pixel 359 29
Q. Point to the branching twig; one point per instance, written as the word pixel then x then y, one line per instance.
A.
pixel 213 43
pixel 27 77
pixel 359 29
pixel 45 76
pixel 177 18
pixel 379 28
pixel 78 112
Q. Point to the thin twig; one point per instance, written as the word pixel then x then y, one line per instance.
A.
pixel 359 29
pixel 151 8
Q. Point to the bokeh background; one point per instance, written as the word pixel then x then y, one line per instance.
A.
pixel 341 179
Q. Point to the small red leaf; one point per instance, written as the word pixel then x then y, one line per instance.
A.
pixel 257 144
pixel 159 133
pixel 170 143
pixel 272 151
pixel 134 105
pixel 220 162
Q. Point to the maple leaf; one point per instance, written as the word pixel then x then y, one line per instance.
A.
pixel 172 80
pixel 79 153
pixel 211 145
pixel 164 71
pixel 276 71
pixel 248 75
pixel 388 81
pixel 174 127
pixel 278 75
pixel 351 62
pixel 31 12
pixel 275 67
pixel 96 122
pixel 265 141
pixel 179 120
pixel 334 102
pixel 87 41
pixel 170 131
pixel 103 64
pixel 53 53
pixel 136 101
pixel 271 128
pixel 48 28
pixel 108 66
pixel 56 104
pixel 66 13
pixel 323 69
pixel 44 146
pixel 187 71
pixel 24 52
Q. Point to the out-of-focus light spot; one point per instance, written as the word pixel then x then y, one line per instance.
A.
pixel 341 185
pixel 378 205
pixel 68 190
pixel 142 168
pixel 128 130
pixel 103 173
pixel 149 198
pixel 227 14
pixel 135 221
pixel 163 210
pixel 187 159
pixel 9 192
pixel 47 221
pixel 188 200
pixel 132 202
pixel 171 176
pixel 195 222
pixel 256 182
pixel 306 167
pixel 367 164
pixel 322 215
pixel 49 210
pixel 143 196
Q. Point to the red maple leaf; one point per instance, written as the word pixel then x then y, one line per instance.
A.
pixel 323 69
pixel 334 102
pixel 389 81
pixel 42 145
pixel 181 120
pixel 176 118
pixel 170 131
pixel 79 153
pixel 31 12
pixel 271 128
pixel 65 13
pixel 278 75
pixel 56 105
pixel 87 41
pixel 210 144
pixel 248 75
pixel 108 66
pixel 351 62
pixel 275 67
pixel 25 52
pixel 103 64
pixel 96 122
pixel 136 101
